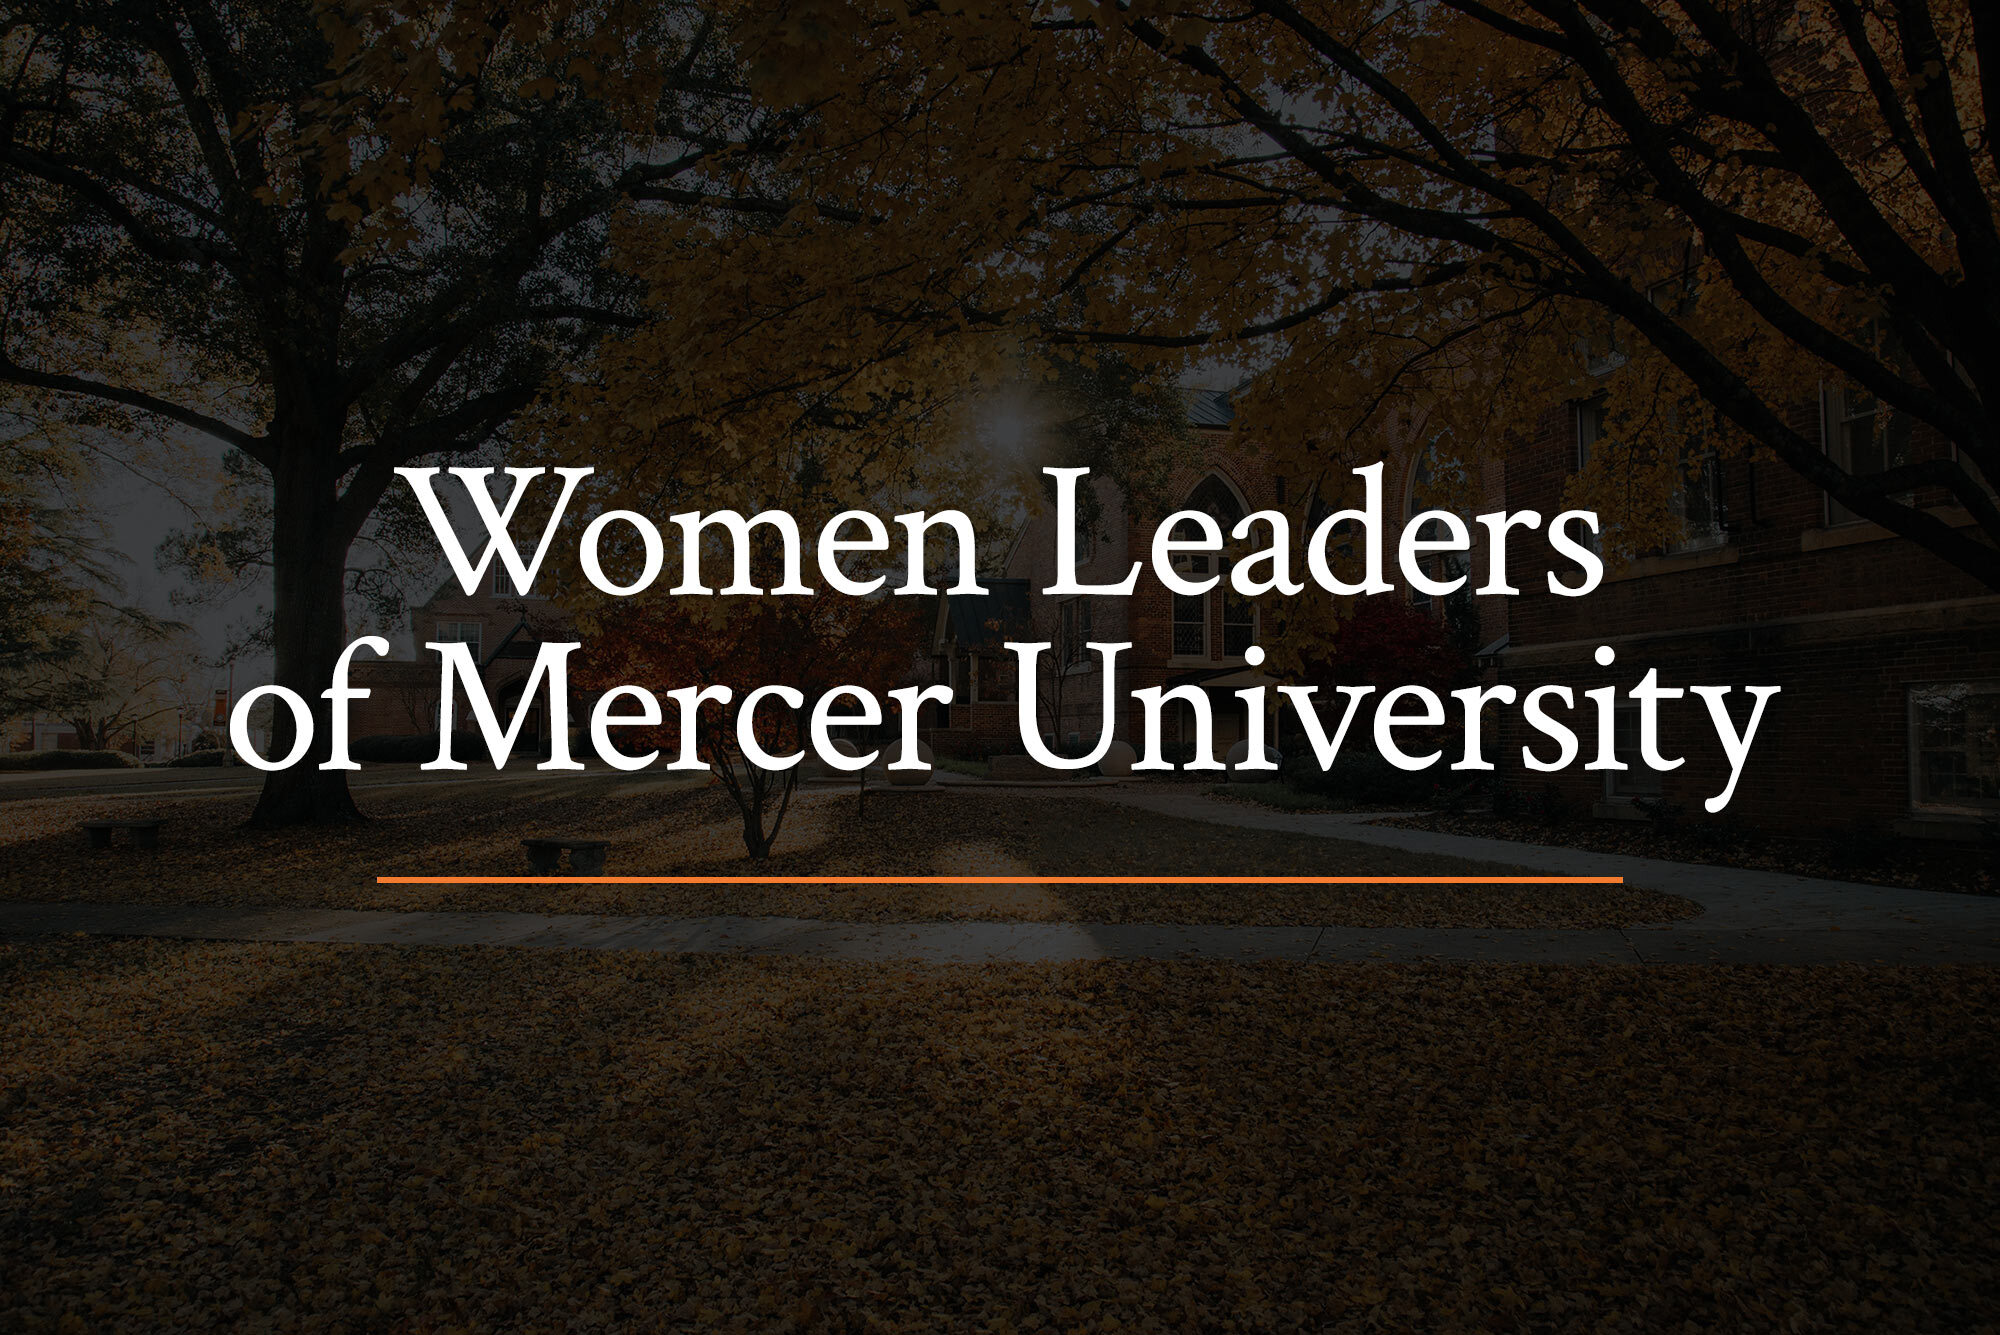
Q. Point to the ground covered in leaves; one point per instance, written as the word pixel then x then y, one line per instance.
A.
pixel 314 1137
pixel 207 856
pixel 1864 854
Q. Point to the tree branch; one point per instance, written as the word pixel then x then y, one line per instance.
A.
pixel 17 374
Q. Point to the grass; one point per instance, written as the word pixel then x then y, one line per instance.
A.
pixel 207 856
pixel 978 769
pixel 317 1138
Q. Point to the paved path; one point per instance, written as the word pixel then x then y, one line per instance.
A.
pixel 1743 911
pixel 1749 917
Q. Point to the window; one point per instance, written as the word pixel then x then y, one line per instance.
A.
pixel 460 632
pixel 1239 623
pixel 1589 429
pixel 1696 502
pixel 1698 505
pixel 1604 347
pixel 1589 425
pixel 502 584
pixel 1673 294
pixel 1862 436
pixel 1190 613
pixel 1636 780
pixel 1430 484
pixel 1955 747
pixel 1074 630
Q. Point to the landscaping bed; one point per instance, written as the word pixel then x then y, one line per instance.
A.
pixel 207 856
pixel 1284 797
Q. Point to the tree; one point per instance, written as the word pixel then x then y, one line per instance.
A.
pixel 392 564
pixel 51 566
pixel 1433 213
pixel 58 572
pixel 125 672
pixel 1387 643
pixel 339 241
pixel 810 644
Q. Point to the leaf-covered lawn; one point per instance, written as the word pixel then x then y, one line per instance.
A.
pixel 208 857
pixel 318 1137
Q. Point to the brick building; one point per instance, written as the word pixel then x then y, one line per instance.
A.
pixel 1177 640
pixel 504 631
pixel 1888 658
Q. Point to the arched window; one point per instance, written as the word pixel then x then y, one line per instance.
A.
pixel 1215 498
pixel 1437 482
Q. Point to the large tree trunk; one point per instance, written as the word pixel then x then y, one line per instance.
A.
pixel 89 737
pixel 308 630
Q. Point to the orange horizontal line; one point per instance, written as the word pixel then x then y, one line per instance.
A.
pixel 999 880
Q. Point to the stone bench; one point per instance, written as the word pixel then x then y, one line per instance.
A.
pixel 145 833
pixel 586 856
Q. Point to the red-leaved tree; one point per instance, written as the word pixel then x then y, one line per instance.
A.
pixel 1385 642
pixel 810 644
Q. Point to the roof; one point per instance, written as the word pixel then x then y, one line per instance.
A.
pixel 524 640
pixel 1209 407
pixel 984 622
pixel 514 645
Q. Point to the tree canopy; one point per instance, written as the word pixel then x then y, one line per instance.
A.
pixel 344 239
pixel 1462 214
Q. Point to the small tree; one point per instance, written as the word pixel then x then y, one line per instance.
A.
pixel 811 644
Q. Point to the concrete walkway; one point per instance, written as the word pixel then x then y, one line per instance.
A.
pixel 1746 915
pixel 1749 917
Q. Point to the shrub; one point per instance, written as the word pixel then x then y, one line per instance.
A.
pixel 200 759
pixel 1359 776
pixel 1552 807
pixel 1714 835
pixel 962 745
pixel 1272 794
pixel 1668 818
pixel 1860 844
pixel 1466 796
pixel 38 760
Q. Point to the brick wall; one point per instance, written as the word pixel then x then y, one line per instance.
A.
pixel 1845 618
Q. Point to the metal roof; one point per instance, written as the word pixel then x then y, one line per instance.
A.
pixel 1209 407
